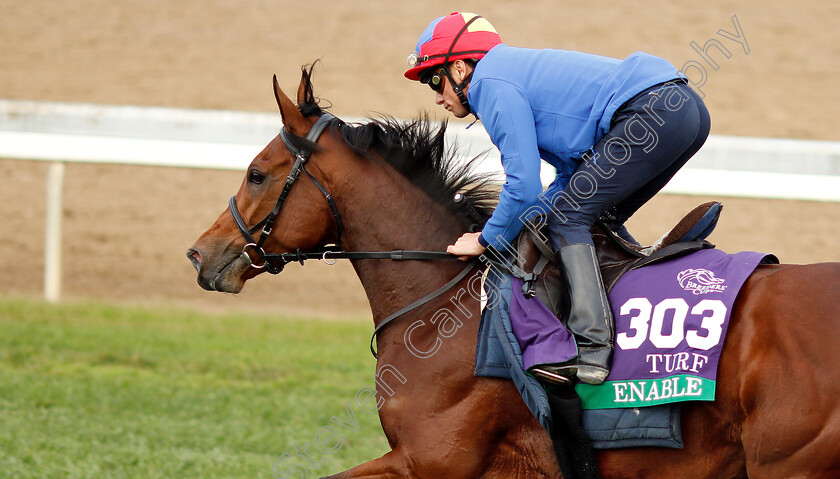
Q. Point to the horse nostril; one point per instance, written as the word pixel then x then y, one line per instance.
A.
pixel 195 258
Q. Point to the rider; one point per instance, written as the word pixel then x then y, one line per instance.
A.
pixel 615 130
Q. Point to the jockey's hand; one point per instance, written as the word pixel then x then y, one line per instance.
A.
pixel 466 247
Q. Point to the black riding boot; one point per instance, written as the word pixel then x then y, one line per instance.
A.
pixel 589 317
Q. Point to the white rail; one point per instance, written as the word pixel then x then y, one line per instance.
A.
pixel 65 132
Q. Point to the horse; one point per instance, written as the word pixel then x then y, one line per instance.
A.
pixel 386 185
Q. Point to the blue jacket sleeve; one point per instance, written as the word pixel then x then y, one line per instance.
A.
pixel 506 114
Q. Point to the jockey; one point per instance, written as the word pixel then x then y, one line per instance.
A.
pixel 615 130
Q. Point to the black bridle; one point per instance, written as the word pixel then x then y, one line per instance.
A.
pixel 275 262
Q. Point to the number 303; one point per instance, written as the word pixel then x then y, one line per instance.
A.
pixel 649 323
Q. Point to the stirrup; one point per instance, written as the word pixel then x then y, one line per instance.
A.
pixel 550 377
pixel 591 374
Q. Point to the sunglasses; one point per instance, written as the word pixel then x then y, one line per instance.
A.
pixel 435 80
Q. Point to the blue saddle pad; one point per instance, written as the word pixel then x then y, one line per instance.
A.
pixel 498 355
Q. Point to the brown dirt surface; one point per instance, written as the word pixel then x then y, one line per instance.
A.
pixel 126 228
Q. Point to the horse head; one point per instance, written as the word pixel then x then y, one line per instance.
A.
pixel 276 202
pixel 394 186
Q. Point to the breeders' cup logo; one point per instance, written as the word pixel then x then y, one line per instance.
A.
pixel 700 281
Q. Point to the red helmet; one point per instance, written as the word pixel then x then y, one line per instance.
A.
pixel 454 37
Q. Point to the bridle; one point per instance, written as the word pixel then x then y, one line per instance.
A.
pixel 275 262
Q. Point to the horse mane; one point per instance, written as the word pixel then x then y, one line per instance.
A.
pixel 417 150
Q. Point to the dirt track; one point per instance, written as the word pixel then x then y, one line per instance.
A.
pixel 126 228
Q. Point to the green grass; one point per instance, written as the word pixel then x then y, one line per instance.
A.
pixel 91 390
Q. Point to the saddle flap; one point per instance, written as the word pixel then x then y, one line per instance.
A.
pixel 531 249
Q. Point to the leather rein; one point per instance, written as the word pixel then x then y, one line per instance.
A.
pixel 275 262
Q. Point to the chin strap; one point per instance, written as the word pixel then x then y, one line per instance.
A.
pixel 458 88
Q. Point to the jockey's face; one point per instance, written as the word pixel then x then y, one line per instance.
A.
pixel 447 96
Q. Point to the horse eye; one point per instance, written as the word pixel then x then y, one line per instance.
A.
pixel 256 177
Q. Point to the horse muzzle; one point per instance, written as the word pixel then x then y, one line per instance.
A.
pixel 225 275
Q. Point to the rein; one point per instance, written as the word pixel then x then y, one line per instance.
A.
pixel 274 263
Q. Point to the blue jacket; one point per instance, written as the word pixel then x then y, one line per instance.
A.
pixel 552 105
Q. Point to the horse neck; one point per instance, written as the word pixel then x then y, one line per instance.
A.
pixel 386 212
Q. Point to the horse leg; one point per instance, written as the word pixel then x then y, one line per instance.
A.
pixel 488 434
pixel 390 466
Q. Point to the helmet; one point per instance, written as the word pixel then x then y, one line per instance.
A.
pixel 454 37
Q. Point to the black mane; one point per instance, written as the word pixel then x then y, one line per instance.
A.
pixel 418 151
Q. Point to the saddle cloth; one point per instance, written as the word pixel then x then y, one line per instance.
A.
pixel 670 324
pixel 499 353
pixel 645 377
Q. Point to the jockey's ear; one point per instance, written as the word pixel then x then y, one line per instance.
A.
pixel 461 69
pixel 293 120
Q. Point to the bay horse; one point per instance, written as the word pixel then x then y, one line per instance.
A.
pixel 388 186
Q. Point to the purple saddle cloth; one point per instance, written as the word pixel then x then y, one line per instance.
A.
pixel 650 355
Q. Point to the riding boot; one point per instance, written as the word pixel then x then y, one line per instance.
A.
pixel 589 318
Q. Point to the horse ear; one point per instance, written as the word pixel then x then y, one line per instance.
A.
pixel 292 118
pixel 301 93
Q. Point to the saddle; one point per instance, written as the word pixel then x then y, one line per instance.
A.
pixel 537 261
